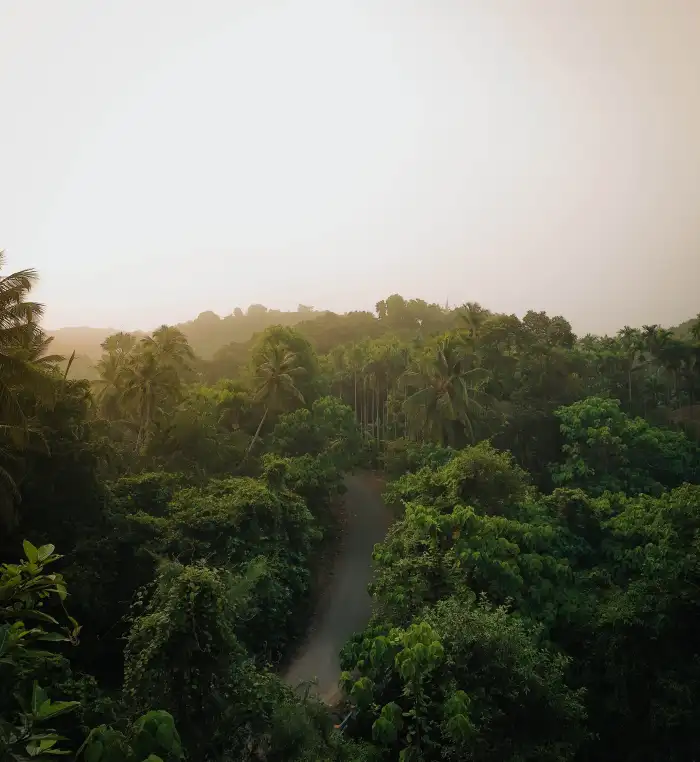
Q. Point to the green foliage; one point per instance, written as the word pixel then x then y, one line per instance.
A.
pixel 245 526
pixel 194 515
pixel 328 428
pixel 149 492
pixel 604 587
pixel 468 682
pixel 150 738
pixel 605 449
pixel 408 456
pixel 283 348
pixel 640 659
pixel 478 475
pixel 25 591
pixel 314 478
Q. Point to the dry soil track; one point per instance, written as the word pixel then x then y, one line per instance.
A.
pixel 346 606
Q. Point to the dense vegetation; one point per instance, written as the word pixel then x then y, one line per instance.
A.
pixel 536 597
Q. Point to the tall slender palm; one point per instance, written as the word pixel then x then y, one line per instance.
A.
pixel 23 344
pixel 171 346
pixel 672 356
pixel 146 384
pixel 276 376
pixel 356 363
pixel 631 344
pixel 116 353
pixel 447 393
pixel 338 369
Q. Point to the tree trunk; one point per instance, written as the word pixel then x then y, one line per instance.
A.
pixel 142 438
pixel 364 404
pixel 355 384
pixel 257 433
pixel 378 411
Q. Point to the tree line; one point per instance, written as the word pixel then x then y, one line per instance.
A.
pixel 534 599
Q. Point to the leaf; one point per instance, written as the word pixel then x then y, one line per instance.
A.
pixel 54 637
pixel 45 551
pixel 165 735
pixel 30 551
pixel 4 638
pixel 39 697
pixel 93 752
pixel 53 709
pixel 43 746
pixel 40 615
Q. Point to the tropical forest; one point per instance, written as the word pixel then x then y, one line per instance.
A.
pixel 420 533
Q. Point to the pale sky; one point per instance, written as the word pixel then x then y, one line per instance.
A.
pixel 159 158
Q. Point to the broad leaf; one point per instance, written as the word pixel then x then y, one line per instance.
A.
pixel 30 552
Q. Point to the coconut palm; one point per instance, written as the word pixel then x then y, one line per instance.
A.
pixel 27 375
pixel 447 392
pixel 473 315
pixel 171 347
pixel 23 364
pixel 276 375
pixel 146 383
pixel 631 344
pixel 116 353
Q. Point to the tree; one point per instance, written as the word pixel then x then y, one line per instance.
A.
pixel 147 384
pixel 276 378
pixel 604 449
pixel 28 377
pixel 695 328
pixel 26 592
pixel 467 682
pixel 473 315
pixel 329 429
pixel 447 392
pixel 170 346
pixel 22 344
pixel 631 344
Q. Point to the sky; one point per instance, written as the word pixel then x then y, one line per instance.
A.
pixel 160 158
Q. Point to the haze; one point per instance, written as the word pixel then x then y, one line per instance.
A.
pixel 167 157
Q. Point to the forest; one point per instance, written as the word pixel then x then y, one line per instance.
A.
pixel 165 510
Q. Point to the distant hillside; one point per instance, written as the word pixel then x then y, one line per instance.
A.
pixel 207 333
pixel 683 330
pixel 222 342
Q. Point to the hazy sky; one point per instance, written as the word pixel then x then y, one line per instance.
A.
pixel 159 158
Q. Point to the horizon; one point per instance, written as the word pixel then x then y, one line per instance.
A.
pixel 317 312
pixel 541 157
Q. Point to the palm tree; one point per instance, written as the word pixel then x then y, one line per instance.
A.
pixel 117 352
pixel 171 346
pixel 119 344
pixel 447 392
pixel 27 374
pixel 23 366
pixel 672 356
pixel 146 383
pixel 276 376
pixel 473 315
pixel 631 344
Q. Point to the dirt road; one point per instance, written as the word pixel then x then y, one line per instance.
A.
pixel 346 606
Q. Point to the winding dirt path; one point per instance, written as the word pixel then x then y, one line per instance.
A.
pixel 346 606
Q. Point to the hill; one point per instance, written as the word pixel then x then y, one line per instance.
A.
pixel 222 343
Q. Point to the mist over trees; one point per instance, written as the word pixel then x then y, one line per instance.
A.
pixel 168 501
